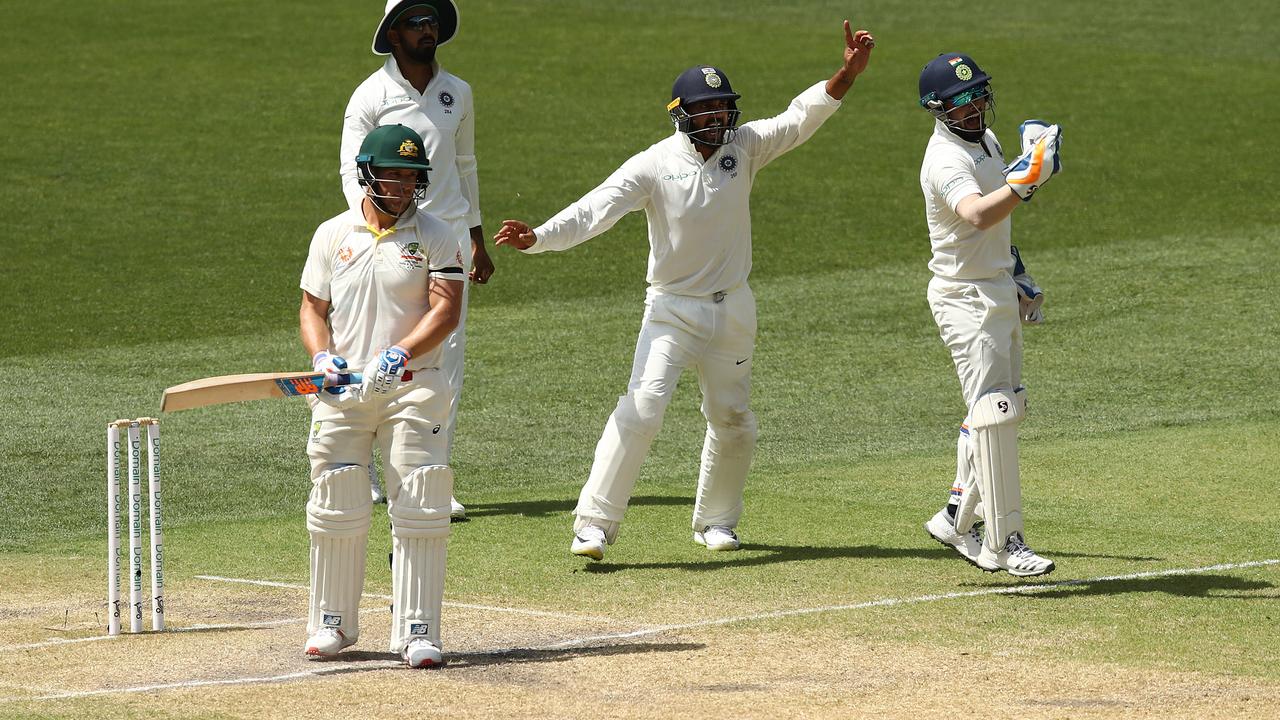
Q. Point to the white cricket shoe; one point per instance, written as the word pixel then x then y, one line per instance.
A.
pixel 456 509
pixel 327 642
pixel 717 537
pixel 1016 559
pixel 420 653
pixel 589 542
pixel 941 528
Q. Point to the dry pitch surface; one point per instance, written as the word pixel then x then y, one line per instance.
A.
pixel 235 653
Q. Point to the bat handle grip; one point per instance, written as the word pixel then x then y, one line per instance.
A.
pixel 354 378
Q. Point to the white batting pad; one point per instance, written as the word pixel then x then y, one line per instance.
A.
pixel 726 459
pixel 338 516
pixel 995 429
pixel 419 512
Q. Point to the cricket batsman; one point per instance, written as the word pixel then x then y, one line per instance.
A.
pixel 980 295
pixel 381 290
pixel 695 188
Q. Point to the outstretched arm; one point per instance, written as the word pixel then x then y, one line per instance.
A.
pixel 857 52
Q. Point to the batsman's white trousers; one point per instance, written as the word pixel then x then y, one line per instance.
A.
pixel 715 335
pixel 410 425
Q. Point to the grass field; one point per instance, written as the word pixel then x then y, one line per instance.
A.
pixel 168 162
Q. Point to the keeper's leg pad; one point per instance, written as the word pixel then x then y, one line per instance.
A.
pixel 726 459
pixel 338 515
pixel 419 514
pixel 995 429
pixel 619 454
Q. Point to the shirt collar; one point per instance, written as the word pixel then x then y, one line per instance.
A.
pixel 392 69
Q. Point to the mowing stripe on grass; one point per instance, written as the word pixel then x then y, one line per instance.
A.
pixel 567 644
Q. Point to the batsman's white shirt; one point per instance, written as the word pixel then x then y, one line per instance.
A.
pixel 443 115
pixel 376 284
pixel 952 170
pixel 699 212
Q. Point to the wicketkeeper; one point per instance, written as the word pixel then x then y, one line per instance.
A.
pixel 980 294
pixel 381 290
pixel 694 188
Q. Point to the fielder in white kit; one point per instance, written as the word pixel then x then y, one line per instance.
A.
pixel 979 300
pixel 413 90
pixel 382 289
pixel 695 188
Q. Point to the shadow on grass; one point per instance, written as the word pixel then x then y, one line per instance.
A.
pixel 1201 586
pixel 781 554
pixel 548 508
pixel 514 655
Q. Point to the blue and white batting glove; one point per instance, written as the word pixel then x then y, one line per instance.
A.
pixel 1038 162
pixel 330 364
pixel 384 372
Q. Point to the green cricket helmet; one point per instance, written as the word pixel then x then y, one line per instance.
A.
pixel 392 146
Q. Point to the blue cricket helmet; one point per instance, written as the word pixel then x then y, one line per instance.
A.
pixel 698 83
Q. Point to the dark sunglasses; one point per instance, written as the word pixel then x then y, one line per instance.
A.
pixel 419 22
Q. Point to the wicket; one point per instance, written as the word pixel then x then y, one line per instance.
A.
pixel 134 435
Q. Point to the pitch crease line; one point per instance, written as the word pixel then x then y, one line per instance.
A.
pixel 191 628
pixel 890 602
pixel 376 596
pixel 884 602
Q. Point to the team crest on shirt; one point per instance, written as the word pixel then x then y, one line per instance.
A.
pixel 729 164
pixel 445 98
pixel 411 255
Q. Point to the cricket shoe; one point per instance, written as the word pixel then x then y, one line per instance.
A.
pixel 717 537
pixel 327 642
pixel 457 511
pixel 1016 558
pixel 968 544
pixel 375 488
pixel 589 542
pixel 420 653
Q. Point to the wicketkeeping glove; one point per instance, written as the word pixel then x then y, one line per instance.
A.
pixel 1039 160
pixel 384 371
pixel 1030 296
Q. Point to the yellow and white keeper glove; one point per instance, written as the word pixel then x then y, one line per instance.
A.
pixel 1030 296
pixel 1039 160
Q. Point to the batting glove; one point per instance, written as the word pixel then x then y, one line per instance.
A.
pixel 384 371
pixel 1038 162
pixel 336 393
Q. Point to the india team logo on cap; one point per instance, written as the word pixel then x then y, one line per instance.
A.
pixel 408 148
pixel 963 72
pixel 713 80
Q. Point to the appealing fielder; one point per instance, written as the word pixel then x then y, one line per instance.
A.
pixel 382 289
pixel 694 187
pixel 980 294
pixel 411 89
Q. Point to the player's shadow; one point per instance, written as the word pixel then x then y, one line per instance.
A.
pixel 548 508
pixel 1191 586
pixel 781 554
pixel 511 656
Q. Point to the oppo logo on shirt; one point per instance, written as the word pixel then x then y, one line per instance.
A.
pixel 681 176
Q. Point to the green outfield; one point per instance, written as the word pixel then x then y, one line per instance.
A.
pixel 166 164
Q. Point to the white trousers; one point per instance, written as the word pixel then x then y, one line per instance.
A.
pixel 716 336
pixel 410 425
pixel 455 345
pixel 978 321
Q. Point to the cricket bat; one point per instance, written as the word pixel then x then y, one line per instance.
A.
pixel 254 386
